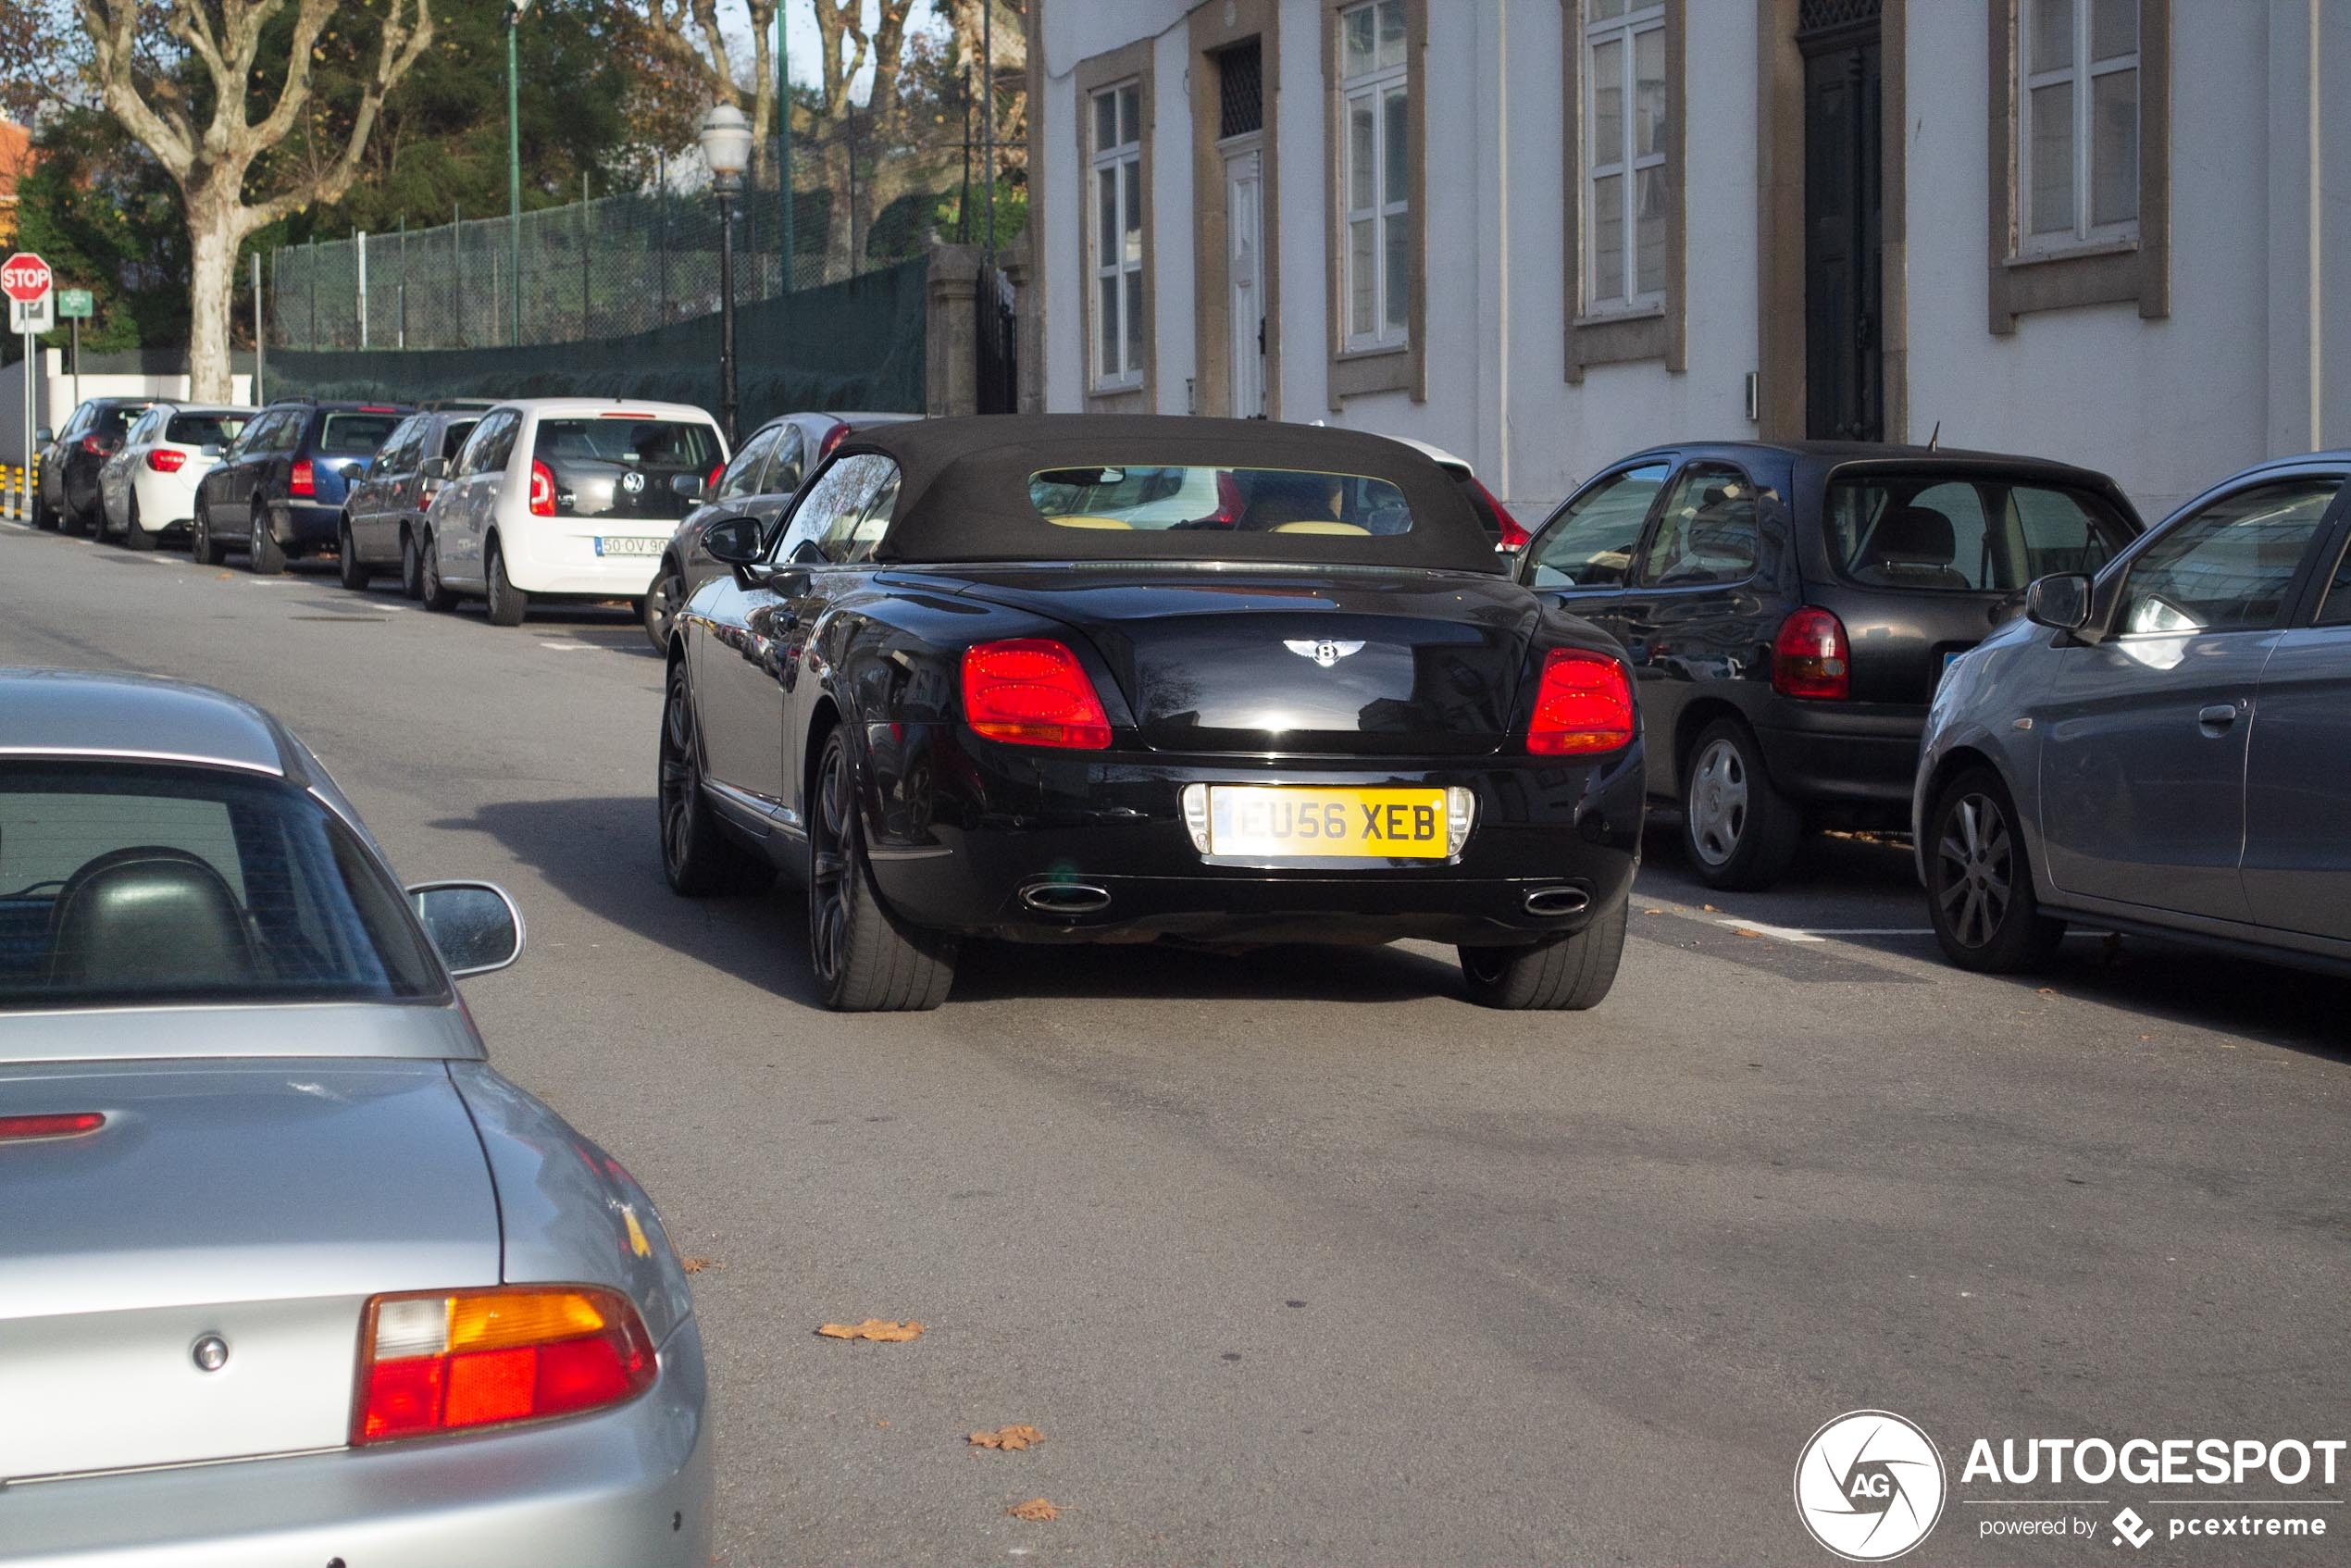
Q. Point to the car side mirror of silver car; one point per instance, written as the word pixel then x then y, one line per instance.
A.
pixel 434 468
pixel 474 926
pixel 212 449
pixel 734 541
pixel 2061 602
pixel 693 487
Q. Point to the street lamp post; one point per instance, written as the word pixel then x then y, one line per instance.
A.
pixel 725 148
pixel 514 164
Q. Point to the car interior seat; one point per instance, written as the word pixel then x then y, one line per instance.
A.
pixel 150 918
pixel 1912 547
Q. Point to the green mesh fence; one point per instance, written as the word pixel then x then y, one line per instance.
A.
pixel 858 344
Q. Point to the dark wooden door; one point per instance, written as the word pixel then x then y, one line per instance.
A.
pixel 1844 385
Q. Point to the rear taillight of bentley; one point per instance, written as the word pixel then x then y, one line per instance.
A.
pixel 459 1361
pixel 1583 705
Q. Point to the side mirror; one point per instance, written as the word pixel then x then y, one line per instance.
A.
pixel 43 435
pixel 735 542
pixel 2061 602
pixel 213 449
pixel 354 471
pixel 474 926
pixel 693 487
pixel 434 468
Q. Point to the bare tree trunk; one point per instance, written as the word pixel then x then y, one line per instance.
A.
pixel 214 235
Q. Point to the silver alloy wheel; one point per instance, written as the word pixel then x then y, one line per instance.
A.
pixel 1975 865
pixel 1718 802
pixel 832 863
pixel 260 526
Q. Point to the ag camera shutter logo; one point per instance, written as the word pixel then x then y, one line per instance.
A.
pixel 1869 1486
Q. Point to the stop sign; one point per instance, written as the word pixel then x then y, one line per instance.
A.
pixel 25 277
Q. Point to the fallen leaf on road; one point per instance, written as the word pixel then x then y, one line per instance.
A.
pixel 879 1328
pixel 2045 990
pixel 1652 912
pixel 1010 1438
pixel 1035 1508
pixel 1709 909
pixel 1743 931
pixel 695 1266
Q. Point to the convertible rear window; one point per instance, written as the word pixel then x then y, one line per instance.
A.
pixel 1163 500
pixel 131 884
pixel 1966 534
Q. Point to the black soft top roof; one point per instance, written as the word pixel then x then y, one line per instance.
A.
pixel 964 494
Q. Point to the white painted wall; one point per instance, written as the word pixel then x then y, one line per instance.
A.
pixel 2167 407
pixel 55 394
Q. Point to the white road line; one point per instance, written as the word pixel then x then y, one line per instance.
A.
pixel 1821 933
pixel 1785 933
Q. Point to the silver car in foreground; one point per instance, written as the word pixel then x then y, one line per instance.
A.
pixel 288 1275
pixel 2163 748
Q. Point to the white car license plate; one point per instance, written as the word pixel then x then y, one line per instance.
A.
pixel 631 546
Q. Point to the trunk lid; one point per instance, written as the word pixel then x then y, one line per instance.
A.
pixel 262 1204
pixel 1370 664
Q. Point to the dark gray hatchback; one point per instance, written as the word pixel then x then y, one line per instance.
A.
pixel 1790 610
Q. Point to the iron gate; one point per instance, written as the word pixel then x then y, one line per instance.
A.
pixel 997 322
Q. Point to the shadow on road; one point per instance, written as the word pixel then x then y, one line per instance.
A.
pixel 601 855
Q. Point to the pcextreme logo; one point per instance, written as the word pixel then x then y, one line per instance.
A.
pixel 1869 1486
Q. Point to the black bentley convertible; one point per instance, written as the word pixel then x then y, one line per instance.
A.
pixel 1073 679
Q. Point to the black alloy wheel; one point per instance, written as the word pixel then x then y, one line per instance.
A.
pixel 263 555
pixel 1563 975
pixel 412 566
pixel 865 961
pixel 697 859
pixel 203 548
pixel 662 600
pixel 1737 831
pixel 431 593
pixel 349 569
pixel 507 604
pixel 134 533
pixel 1980 881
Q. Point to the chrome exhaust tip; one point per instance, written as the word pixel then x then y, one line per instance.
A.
pixel 1065 898
pixel 1554 902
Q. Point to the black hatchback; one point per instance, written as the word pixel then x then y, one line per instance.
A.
pixel 1789 610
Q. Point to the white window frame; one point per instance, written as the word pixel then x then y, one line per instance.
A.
pixel 2082 73
pixel 1374 86
pixel 1119 377
pixel 1618 162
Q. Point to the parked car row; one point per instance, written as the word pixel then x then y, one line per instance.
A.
pixel 1789 612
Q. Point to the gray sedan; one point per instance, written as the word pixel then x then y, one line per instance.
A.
pixel 289 1276
pixel 2163 748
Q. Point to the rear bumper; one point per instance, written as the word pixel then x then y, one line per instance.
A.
pixel 1835 754
pixel 302 525
pixel 633 1486
pixel 1015 818
pixel 558 555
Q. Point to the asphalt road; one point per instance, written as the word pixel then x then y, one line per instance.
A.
pixel 1299 1257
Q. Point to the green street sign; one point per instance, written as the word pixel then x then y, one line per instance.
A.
pixel 72 302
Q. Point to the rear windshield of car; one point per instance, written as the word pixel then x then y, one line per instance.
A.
pixel 1219 501
pixel 356 435
pixel 204 429
pixel 681 444
pixel 1969 534
pixel 127 884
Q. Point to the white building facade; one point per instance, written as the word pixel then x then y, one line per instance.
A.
pixel 1544 234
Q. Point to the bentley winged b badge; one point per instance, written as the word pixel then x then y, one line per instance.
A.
pixel 1325 653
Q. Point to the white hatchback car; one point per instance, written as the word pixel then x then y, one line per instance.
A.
pixel 567 498
pixel 148 488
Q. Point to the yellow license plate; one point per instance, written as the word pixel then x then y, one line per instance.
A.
pixel 1286 821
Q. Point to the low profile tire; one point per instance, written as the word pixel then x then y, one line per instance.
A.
pixel 1978 879
pixel 1563 975
pixel 431 593
pixel 865 961
pixel 662 602
pixel 134 534
pixel 507 604
pixel 349 569
pixel 412 566
pixel 203 548
pixel 697 858
pixel 264 558
pixel 1738 831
